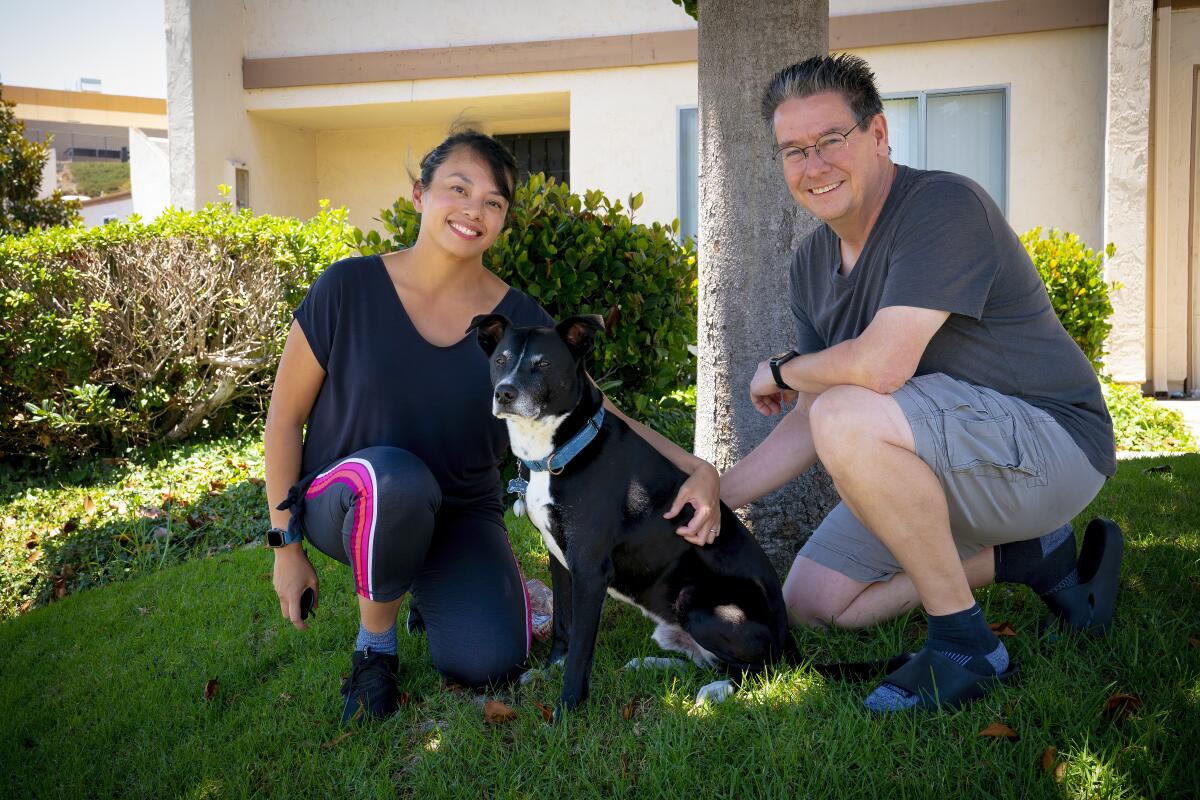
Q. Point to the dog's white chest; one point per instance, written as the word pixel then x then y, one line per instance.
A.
pixel 537 505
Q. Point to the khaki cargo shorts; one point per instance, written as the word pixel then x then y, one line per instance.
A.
pixel 1009 470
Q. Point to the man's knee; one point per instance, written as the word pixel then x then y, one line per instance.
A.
pixel 847 420
pixel 808 601
pixel 840 417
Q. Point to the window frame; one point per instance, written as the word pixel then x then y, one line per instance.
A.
pixel 922 96
pixel 680 188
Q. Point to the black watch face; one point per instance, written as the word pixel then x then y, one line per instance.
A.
pixel 275 538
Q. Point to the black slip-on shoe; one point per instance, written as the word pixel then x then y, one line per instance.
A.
pixel 1088 607
pixel 370 690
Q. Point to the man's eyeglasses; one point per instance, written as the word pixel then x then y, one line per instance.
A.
pixel 828 146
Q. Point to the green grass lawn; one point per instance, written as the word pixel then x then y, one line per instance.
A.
pixel 103 691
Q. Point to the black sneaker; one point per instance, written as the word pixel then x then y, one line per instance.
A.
pixel 370 691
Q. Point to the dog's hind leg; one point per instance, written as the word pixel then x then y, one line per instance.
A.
pixel 733 623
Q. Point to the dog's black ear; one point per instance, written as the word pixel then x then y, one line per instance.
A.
pixel 579 332
pixel 489 328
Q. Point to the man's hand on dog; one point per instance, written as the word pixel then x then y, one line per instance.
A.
pixel 703 491
pixel 768 398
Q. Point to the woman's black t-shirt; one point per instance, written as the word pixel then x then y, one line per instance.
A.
pixel 386 385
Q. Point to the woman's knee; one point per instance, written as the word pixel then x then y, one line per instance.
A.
pixel 476 668
pixel 402 483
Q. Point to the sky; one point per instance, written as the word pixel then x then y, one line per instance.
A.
pixel 51 44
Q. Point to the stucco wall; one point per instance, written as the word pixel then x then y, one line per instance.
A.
pixel 209 127
pixel 275 28
pixel 149 174
pixel 1057 83
pixel 1180 169
pixel 1127 185
pixel 622 142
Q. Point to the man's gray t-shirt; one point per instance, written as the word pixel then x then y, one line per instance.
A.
pixel 941 243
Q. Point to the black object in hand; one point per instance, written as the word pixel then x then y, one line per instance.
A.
pixel 306 603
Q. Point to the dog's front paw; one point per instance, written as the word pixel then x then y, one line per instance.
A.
pixel 715 692
pixel 655 662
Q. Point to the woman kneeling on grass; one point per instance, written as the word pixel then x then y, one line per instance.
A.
pixel 398 474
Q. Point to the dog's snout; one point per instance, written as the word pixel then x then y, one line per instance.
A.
pixel 505 393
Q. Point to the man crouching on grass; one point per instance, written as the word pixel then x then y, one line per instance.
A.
pixel 932 378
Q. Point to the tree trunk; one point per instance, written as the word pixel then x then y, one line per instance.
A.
pixel 749 228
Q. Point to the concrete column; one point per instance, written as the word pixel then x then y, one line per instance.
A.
pixel 181 103
pixel 1127 184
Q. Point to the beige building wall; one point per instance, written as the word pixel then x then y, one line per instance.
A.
pixel 1057 85
pixel 1176 303
pixel 210 131
pixel 369 136
pixel 355 143
pixel 276 28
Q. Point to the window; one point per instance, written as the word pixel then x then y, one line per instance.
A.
pixel 689 172
pixel 549 153
pixel 963 131
pixel 241 190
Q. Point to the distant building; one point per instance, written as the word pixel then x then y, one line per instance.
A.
pixel 89 126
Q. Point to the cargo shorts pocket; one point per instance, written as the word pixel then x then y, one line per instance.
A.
pixel 992 445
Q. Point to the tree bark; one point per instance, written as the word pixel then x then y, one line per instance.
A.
pixel 749 228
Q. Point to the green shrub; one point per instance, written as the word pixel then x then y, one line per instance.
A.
pixel 584 254
pixel 133 332
pixel 1074 278
pixel 1141 424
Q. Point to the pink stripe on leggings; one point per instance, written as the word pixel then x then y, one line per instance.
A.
pixel 360 477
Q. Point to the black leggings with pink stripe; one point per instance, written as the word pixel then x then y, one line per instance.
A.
pixel 380 510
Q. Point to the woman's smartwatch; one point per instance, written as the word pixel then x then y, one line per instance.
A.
pixel 280 537
pixel 778 361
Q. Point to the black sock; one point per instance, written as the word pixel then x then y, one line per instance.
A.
pixel 965 638
pixel 1046 565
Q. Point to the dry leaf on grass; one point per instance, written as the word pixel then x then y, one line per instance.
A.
pixel 70 525
pixel 216 486
pixel 89 505
pixel 627 710
pixel 404 698
pixel 546 711
pixel 1049 756
pixel 1193 642
pixel 120 506
pixel 1060 771
pixel 334 742
pixel 1002 629
pixel 998 730
pixel 257 481
pixel 211 688
pixel 1122 706
pixel 497 712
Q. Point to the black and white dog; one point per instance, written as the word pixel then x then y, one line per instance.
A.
pixel 597 492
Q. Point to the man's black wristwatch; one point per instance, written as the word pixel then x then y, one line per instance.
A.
pixel 280 537
pixel 778 361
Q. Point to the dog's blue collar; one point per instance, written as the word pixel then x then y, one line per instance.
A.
pixel 558 460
